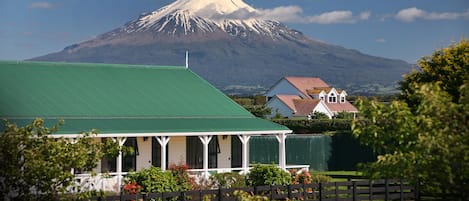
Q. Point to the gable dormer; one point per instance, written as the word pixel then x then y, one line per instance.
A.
pixel 332 96
pixel 322 95
pixel 342 96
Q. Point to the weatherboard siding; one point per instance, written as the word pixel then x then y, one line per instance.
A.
pixel 177 150
pixel 224 157
pixel 278 106
pixel 144 153
pixel 283 87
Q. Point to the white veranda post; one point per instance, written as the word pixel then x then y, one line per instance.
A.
pixel 120 141
pixel 163 140
pixel 72 141
pixel 282 159
pixel 205 141
pixel 245 141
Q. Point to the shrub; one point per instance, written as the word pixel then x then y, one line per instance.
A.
pixel 182 177
pixel 300 178
pixel 228 180
pixel 318 178
pixel 245 196
pixel 261 175
pixel 155 180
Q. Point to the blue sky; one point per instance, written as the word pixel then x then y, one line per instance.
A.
pixel 401 29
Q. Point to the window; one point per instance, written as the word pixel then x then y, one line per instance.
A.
pixel 322 98
pixel 342 99
pixel 156 153
pixel 332 98
pixel 194 152
pixel 129 161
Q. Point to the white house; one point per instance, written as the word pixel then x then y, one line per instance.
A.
pixel 167 114
pixel 303 96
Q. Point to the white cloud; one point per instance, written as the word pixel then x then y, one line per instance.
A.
pixel 294 14
pixel 381 40
pixel 412 14
pixel 43 5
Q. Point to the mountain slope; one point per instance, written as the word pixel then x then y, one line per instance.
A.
pixel 231 44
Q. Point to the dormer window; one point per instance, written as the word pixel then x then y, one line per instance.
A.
pixel 322 98
pixel 332 98
pixel 342 99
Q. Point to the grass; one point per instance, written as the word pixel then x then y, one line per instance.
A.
pixel 338 173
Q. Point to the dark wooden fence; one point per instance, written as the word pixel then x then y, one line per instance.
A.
pixel 385 189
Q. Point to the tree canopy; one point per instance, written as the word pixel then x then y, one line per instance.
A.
pixel 424 135
pixel 39 166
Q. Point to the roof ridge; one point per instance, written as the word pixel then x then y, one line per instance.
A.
pixel 131 117
pixel 73 64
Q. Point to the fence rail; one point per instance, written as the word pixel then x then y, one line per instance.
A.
pixel 384 189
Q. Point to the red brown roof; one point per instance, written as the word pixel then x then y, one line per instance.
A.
pixel 305 83
pixel 304 107
pixel 341 107
pixel 288 100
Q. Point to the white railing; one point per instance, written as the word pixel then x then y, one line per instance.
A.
pixel 109 181
pixel 100 181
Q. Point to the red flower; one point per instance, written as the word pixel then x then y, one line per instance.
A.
pixel 132 187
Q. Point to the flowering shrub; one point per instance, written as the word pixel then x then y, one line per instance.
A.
pixel 183 179
pixel 301 178
pixel 132 187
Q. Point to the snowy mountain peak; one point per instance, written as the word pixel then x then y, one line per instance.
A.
pixel 233 16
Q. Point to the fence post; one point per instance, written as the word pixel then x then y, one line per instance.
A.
pixel 354 190
pixel 220 194
pixel 336 191
pixel 386 189
pixel 320 191
pixel 417 191
pixel 370 190
pixel 305 194
pixel 183 196
pixel 289 192
pixel 401 191
pixel 271 192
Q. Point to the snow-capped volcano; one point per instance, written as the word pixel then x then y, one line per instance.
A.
pixel 204 15
pixel 201 17
pixel 231 44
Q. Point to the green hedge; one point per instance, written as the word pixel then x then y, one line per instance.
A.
pixel 316 125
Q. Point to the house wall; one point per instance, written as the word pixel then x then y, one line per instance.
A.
pixel 224 157
pixel 144 150
pixel 177 150
pixel 323 109
pixel 278 106
pixel 283 87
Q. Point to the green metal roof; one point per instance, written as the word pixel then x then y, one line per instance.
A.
pixel 119 98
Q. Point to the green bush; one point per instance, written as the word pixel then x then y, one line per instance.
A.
pixel 261 175
pixel 155 180
pixel 318 178
pixel 228 180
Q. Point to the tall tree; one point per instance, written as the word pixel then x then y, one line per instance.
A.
pixel 424 136
pixel 36 166
pixel 448 68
